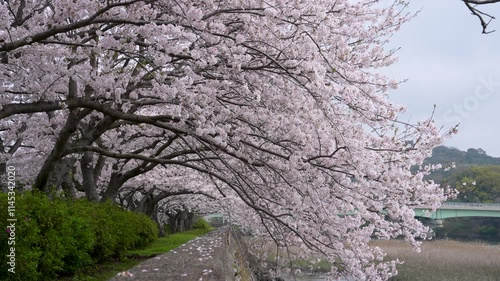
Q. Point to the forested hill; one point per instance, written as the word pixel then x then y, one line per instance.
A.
pixel 477 178
pixel 464 162
pixel 472 156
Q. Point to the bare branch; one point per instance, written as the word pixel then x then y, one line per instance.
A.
pixel 484 18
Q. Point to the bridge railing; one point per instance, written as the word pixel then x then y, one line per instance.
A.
pixel 467 205
pixel 471 204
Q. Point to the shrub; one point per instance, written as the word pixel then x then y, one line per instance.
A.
pixel 108 232
pixel 55 237
pixel 40 246
pixel 118 230
pixel 488 231
pixel 80 242
pixel 201 223
pixel 146 229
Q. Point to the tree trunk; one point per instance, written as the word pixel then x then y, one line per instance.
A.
pixel 181 221
pixel 88 177
pixel 149 206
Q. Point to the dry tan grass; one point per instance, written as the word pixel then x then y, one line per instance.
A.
pixel 445 261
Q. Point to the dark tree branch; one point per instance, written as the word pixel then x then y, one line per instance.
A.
pixel 59 147
pixel 484 18
pixel 30 39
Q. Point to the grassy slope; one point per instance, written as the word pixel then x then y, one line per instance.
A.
pixel 106 271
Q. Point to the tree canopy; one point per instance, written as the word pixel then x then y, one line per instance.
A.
pixel 273 111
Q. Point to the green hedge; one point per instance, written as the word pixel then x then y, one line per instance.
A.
pixel 57 237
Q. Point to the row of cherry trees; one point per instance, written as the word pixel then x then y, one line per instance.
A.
pixel 271 110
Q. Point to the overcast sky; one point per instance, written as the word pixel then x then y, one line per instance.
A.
pixel 449 63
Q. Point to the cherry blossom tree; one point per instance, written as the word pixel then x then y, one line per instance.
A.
pixel 271 111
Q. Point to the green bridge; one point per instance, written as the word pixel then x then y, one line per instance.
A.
pixel 460 209
pixel 447 210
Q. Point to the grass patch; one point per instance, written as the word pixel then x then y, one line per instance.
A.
pixel 131 258
pixel 167 243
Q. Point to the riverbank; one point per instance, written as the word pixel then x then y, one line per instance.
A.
pixel 445 260
pixel 440 260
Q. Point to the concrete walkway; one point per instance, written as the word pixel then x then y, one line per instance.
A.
pixel 212 257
